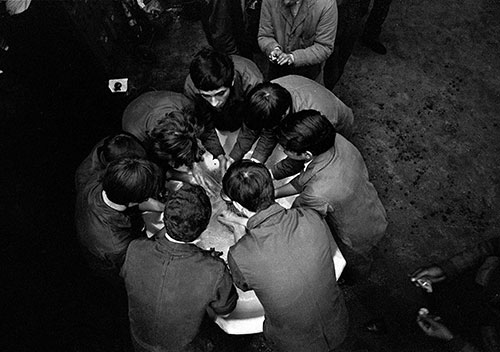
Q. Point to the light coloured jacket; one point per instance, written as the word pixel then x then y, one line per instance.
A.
pixel 309 36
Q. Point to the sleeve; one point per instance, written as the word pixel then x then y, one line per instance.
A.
pixel 246 138
pixel 238 278
pixel 226 295
pixel 457 344
pixel 189 89
pixel 265 36
pixel 211 142
pixel 471 257
pixel 265 145
pixel 287 167
pixel 216 22
pixel 324 41
pixel 345 119
pixel 308 200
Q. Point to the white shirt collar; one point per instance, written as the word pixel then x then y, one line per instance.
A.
pixel 175 241
pixel 117 207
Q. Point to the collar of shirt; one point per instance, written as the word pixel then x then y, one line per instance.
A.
pixel 117 207
pixel 180 242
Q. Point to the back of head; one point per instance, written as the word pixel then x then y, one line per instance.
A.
pixel 267 104
pixel 187 213
pixel 122 145
pixel 211 70
pixel 175 139
pixel 130 180
pixel 306 130
pixel 249 184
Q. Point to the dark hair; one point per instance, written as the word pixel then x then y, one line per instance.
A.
pixel 306 130
pixel 187 213
pixel 250 184
pixel 132 181
pixel 211 70
pixel 121 145
pixel 267 103
pixel 175 139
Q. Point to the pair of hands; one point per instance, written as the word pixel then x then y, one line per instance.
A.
pixel 277 56
pixel 430 324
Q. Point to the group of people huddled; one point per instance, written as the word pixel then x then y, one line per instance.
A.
pixel 230 115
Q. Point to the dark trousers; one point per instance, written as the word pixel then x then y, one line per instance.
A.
pixel 377 16
pixel 348 30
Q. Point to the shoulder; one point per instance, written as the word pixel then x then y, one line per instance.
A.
pixel 244 65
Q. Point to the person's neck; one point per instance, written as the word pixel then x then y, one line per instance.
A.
pixel 112 205
pixel 180 242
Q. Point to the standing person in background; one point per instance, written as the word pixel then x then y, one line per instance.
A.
pixel 225 27
pixel 348 31
pixel 478 302
pixel 297 36
pixel 373 26
pixel 218 84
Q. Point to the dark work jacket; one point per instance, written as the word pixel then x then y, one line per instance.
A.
pixel 170 287
pixel 224 25
pixel 286 257
pixel 246 76
pixel 104 233
pixel 91 166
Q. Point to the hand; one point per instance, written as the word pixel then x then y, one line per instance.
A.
pixel 236 223
pixel 273 56
pixel 285 59
pixel 152 205
pixel 432 273
pixel 223 164
pixel 431 327
pixel 198 176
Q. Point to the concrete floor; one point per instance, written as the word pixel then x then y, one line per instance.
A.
pixel 427 122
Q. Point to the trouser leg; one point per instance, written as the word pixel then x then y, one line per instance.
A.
pixel 349 23
pixel 377 16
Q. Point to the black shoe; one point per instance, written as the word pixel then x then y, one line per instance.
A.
pixel 374 45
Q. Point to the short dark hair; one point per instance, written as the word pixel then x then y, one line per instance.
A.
pixel 306 130
pixel 175 139
pixel 130 180
pixel 250 184
pixel 121 145
pixel 266 103
pixel 211 70
pixel 187 213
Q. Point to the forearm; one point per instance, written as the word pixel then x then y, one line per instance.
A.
pixel 265 146
pixel 284 191
pixel 246 138
pixel 471 257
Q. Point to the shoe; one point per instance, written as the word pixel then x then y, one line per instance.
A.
pixel 375 45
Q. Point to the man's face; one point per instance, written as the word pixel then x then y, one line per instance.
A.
pixel 217 98
pixel 289 3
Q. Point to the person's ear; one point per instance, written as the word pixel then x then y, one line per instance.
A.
pixel 242 209
pixel 307 156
